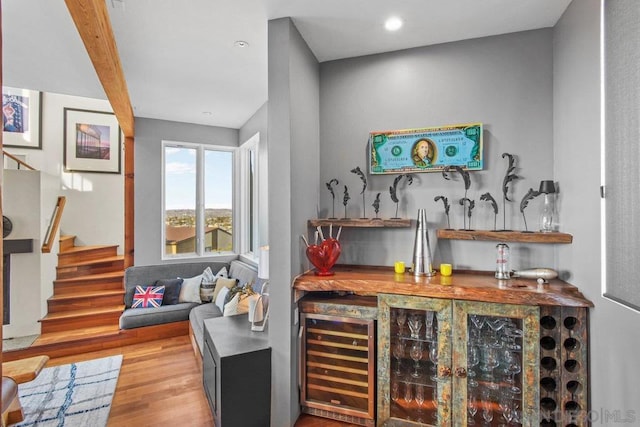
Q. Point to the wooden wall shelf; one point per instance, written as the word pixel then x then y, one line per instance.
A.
pixel 505 236
pixel 364 223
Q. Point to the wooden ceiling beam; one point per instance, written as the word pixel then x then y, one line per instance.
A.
pixel 94 26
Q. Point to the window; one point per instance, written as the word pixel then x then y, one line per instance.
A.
pixel 249 197
pixel 198 199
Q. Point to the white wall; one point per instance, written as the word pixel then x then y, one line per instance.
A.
pixel 94 211
pixel 27 203
pixel 615 338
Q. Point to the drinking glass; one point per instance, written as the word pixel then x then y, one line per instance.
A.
pixel 434 395
pixel 419 400
pixel 398 353
pixel 401 318
pixel 416 354
pixel 490 362
pixel 512 333
pixel 487 406
pixel 512 369
pixel 433 356
pixel 474 333
pixel 408 394
pixel 473 359
pixel 495 324
pixel 472 407
pixel 395 391
pixel 428 325
pixel 415 324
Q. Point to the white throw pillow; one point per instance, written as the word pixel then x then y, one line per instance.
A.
pixel 231 307
pixel 222 296
pixel 190 290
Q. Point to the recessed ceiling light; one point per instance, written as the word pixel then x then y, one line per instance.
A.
pixel 393 24
pixel 241 43
pixel 207 113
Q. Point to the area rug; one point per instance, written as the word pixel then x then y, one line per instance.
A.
pixel 75 395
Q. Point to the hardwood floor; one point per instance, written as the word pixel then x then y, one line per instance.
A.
pixel 160 385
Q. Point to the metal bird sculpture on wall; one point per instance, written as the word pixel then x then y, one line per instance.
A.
pixel 508 177
pixel 333 196
pixel 363 178
pixel 487 197
pixel 445 201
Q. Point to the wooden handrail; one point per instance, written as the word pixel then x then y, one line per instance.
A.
pixel 17 160
pixel 54 224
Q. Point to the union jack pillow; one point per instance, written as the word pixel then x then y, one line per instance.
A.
pixel 148 296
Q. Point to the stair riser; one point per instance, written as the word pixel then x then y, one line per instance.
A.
pixel 86 255
pixel 85 270
pixel 84 303
pixel 60 325
pixel 70 288
pixel 66 243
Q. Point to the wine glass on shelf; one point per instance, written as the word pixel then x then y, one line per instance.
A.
pixel 398 353
pixel 434 395
pixel 495 324
pixel 401 318
pixel 415 324
pixel 504 404
pixel 478 322
pixel 419 400
pixel 433 356
pixel 416 354
pixel 487 406
pixel 512 333
pixel 490 362
pixel 408 394
pixel 395 391
pixel 472 408
pixel 512 368
pixel 428 325
pixel 473 359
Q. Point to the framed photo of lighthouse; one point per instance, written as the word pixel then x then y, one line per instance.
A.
pixel 92 141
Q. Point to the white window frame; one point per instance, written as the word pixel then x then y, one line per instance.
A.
pixel 200 150
pixel 247 240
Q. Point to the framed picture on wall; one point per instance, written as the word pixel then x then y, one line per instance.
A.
pixel 21 118
pixel 92 141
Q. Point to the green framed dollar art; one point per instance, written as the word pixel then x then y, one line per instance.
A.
pixel 426 149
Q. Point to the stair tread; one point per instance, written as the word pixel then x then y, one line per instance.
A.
pixel 92 261
pixel 82 313
pixel 77 335
pixel 89 277
pixel 89 294
pixel 87 248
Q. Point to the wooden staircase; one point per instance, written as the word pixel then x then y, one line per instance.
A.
pixel 84 311
pixel 88 293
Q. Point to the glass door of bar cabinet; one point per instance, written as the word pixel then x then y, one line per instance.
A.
pixel 496 364
pixel 444 362
pixel 414 359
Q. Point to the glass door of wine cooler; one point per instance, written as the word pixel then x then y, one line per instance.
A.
pixel 495 364
pixel 414 375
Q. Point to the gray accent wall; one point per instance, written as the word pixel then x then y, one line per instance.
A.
pixel 148 177
pixel 615 340
pixel 293 194
pixel 505 82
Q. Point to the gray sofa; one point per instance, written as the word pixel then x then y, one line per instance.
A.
pixel 147 275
